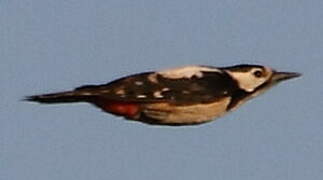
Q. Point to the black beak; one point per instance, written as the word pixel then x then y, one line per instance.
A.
pixel 282 76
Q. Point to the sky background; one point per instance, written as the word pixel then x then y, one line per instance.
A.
pixel 49 46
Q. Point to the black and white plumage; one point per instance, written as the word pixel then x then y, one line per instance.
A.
pixel 181 96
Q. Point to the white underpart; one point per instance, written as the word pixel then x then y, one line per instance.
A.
pixel 186 72
pixel 197 113
pixel 247 80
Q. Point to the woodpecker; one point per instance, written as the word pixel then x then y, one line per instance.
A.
pixel 188 95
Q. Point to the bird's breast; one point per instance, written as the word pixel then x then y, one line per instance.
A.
pixel 169 114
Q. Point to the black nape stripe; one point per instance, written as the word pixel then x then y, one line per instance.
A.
pixel 242 67
pixel 237 97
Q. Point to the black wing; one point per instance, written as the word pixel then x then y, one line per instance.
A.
pixel 153 87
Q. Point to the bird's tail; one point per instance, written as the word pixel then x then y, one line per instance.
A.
pixel 61 97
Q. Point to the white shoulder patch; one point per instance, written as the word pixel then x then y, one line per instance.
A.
pixel 186 72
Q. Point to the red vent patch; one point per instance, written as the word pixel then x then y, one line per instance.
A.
pixel 121 108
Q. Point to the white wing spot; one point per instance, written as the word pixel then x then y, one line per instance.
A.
pixel 153 78
pixel 86 94
pixel 105 90
pixel 158 94
pixel 185 92
pixel 165 89
pixel 141 96
pixel 187 72
pixel 120 92
pixel 139 83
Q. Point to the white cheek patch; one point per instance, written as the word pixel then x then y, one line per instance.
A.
pixel 247 81
pixel 186 72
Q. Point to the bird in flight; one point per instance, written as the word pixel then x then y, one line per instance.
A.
pixel 186 95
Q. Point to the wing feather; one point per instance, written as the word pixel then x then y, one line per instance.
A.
pixel 145 89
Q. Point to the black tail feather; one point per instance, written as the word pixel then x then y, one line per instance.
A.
pixel 63 97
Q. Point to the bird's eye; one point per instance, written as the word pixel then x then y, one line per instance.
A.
pixel 258 73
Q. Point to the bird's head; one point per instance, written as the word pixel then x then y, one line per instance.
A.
pixel 252 78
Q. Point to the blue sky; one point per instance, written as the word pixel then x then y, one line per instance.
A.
pixel 49 46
